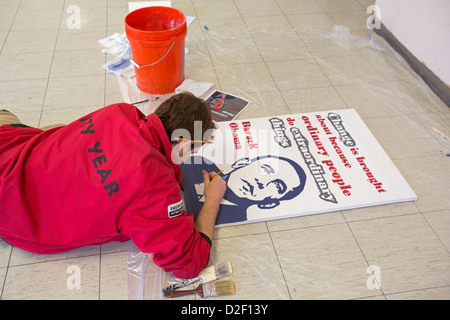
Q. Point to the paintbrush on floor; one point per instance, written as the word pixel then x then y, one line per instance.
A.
pixel 207 290
pixel 205 276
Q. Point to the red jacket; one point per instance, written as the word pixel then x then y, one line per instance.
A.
pixel 107 176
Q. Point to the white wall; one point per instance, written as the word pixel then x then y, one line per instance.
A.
pixel 423 27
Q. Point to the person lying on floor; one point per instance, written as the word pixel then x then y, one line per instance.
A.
pixel 112 175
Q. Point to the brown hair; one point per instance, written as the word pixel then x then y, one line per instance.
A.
pixel 181 111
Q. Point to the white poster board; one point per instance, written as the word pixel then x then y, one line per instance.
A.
pixel 294 165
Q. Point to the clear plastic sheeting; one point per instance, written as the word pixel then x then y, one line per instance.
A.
pixel 131 94
pixel 342 38
pixel 287 71
pixel 145 279
pixel 256 270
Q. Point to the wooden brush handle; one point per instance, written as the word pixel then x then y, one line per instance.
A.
pixel 180 293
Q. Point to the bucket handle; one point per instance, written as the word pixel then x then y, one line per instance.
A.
pixel 149 65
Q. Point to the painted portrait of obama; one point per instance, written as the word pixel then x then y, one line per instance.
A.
pixel 263 181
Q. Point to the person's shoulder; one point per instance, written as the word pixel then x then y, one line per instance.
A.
pixel 122 106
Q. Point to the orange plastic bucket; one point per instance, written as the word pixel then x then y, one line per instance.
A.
pixel 156 36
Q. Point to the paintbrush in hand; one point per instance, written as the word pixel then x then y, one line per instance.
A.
pixel 210 178
pixel 206 275
pixel 207 290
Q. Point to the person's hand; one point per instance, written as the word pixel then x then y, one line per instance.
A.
pixel 214 188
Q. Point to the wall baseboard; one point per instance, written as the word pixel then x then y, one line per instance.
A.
pixel 433 81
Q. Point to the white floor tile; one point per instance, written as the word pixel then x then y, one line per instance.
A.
pixel 54 280
pixel 439 221
pixel 36 20
pixel 5 253
pixel 72 92
pixel 77 63
pixel 322 263
pixel 429 177
pixel 294 74
pixel 441 293
pixel 25 66
pixel 20 257
pixel 238 78
pixel 341 5
pixel 113 278
pixel 299 6
pixel 30 41
pixel 23 95
pixel 406 250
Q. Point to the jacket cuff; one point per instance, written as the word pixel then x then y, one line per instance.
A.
pixel 204 236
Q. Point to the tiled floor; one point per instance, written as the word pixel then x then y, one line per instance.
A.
pixel 284 57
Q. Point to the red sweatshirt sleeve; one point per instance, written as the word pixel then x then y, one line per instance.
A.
pixel 157 223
